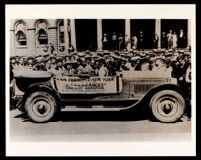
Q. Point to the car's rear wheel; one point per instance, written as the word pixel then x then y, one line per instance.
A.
pixel 40 106
pixel 167 106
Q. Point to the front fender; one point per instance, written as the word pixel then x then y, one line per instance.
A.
pixel 157 88
pixel 144 100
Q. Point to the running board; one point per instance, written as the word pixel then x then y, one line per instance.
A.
pixel 93 108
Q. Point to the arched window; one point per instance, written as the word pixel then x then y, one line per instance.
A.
pixel 42 37
pixel 41 32
pixel 60 33
pixel 20 33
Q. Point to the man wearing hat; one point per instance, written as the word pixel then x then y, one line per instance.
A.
pixel 105 41
pixel 88 63
pixel 48 65
pixel 12 66
pixel 121 42
pixel 163 40
pixel 71 48
pixel 68 68
pixel 123 65
pixel 94 67
pixel 13 62
pixel 40 66
pixel 156 64
pixel 59 63
pixel 114 42
pixel 141 40
pixel 82 70
pixel 52 58
pixel 170 39
pixel 51 47
pixel 181 39
pixel 30 63
pixel 145 65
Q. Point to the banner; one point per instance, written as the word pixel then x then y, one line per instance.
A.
pixel 93 85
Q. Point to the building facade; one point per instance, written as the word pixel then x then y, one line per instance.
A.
pixel 31 36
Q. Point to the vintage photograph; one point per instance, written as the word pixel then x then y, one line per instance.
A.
pixel 100 65
pixel 98 79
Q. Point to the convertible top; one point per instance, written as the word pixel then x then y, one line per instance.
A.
pixel 27 73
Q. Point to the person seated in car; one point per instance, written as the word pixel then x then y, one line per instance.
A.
pixel 53 62
pixel 145 66
pixel 168 67
pixel 83 70
pixel 111 68
pixel 102 72
pixel 13 62
pixel 123 66
pixel 30 63
pixel 59 62
pixel 21 63
pixel 94 67
pixel 68 68
pixel 88 63
pixel 40 66
pixel 48 65
pixel 156 65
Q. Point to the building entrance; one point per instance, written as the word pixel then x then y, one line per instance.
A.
pixel 147 26
pixel 176 25
pixel 86 34
pixel 111 26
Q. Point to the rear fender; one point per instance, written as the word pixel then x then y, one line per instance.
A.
pixel 41 87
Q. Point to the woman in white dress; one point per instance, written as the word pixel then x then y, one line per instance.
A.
pixel 174 39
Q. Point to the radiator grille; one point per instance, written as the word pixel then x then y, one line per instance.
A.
pixel 142 88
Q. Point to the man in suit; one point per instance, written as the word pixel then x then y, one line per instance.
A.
pixel 141 40
pixel 114 42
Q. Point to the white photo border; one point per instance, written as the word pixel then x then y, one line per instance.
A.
pixel 153 11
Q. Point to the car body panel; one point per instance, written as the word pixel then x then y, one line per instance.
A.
pixel 116 92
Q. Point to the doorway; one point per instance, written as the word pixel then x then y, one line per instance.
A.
pixel 86 34
pixel 147 26
pixel 109 26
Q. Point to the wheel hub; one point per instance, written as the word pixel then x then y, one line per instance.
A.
pixel 41 107
pixel 167 107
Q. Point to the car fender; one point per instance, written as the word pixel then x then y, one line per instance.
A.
pixel 44 86
pixel 147 96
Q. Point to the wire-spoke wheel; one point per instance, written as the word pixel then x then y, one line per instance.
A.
pixel 167 106
pixel 40 106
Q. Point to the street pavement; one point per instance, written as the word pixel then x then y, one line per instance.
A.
pixel 97 126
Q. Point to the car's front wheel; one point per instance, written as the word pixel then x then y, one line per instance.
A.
pixel 40 106
pixel 167 106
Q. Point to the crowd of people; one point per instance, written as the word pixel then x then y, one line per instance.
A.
pixel 168 41
pixel 108 63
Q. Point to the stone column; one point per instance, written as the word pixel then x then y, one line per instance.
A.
pixel 66 39
pixel 73 36
pixel 128 32
pixel 12 43
pixel 158 31
pixel 99 34
pixel 189 33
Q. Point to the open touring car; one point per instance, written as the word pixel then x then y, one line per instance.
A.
pixel 41 94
